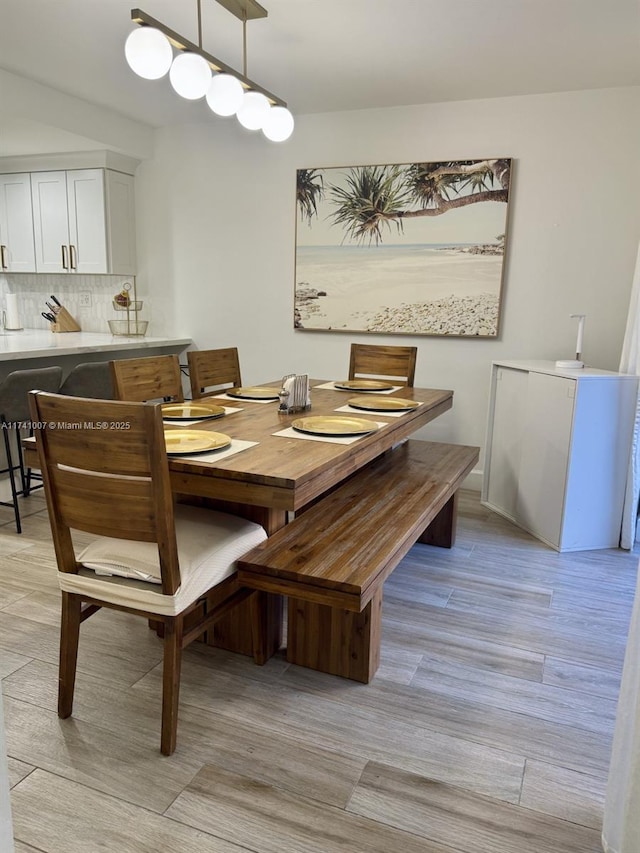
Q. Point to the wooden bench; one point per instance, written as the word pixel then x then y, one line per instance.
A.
pixel 333 559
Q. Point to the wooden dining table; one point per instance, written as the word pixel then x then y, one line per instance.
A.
pixel 277 475
pixel 280 474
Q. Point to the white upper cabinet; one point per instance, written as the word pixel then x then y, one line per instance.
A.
pixel 121 223
pixel 17 252
pixel 51 222
pixel 83 221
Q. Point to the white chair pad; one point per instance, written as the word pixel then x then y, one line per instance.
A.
pixel 209 543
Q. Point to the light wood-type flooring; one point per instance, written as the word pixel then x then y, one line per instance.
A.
pixel 486 730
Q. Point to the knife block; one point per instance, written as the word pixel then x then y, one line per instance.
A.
pixel 65 322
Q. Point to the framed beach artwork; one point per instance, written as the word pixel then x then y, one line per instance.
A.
pixel 409 249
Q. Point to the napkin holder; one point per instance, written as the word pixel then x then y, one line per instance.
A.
pixel 294 395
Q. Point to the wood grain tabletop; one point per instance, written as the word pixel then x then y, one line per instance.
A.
pixel 287 472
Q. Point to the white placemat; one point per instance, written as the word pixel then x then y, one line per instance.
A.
pixel 236 446
pixel 235 399
pixel 289 432
pixel 228 410
pixel 353 411
pixel 330 386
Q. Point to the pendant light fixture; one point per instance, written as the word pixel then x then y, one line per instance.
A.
pixel 196 74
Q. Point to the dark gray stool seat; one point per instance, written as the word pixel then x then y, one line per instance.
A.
pixel 15 419
pixel 89 379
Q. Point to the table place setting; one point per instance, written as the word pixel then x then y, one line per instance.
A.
pixel 390 407
pixel 192 412
pixel 336 430
pixel 202 445
pixel 255 394
pixel 368 386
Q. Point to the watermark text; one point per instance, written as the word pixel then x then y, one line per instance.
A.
pixel 67 425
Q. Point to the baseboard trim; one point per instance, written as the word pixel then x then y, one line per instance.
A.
pixel 473 481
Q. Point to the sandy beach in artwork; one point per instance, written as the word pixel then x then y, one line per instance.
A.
pixel 410 289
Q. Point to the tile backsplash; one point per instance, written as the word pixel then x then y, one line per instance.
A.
pixel 33 290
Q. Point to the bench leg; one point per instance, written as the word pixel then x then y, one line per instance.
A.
pixel 336 641
pixel 442 530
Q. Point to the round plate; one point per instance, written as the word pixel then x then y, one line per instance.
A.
pixel 254 393
pixel 191 411
pixel 364 385
pixel 382 404
pixel 182 442
pixel 322 425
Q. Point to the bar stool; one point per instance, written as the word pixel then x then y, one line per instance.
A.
pixel 89 379
pixel 14 417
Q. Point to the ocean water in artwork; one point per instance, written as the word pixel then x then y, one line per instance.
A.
pixel 440 289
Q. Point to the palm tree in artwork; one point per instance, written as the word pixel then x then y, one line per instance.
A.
pixel 376 197
pixel 438 186
pixel 309 191
pixel 372 199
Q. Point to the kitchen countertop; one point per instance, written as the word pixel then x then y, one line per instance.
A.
pixel 37 343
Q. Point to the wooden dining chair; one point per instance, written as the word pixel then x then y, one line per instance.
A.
pixel 211 371
pixel 156 377
pixel 375 362
pixel 148 557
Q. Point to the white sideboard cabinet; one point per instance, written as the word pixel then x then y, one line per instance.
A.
pixel 83 221
pixel 17 251
pixel 557 451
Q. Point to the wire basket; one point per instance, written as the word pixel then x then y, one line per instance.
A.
pixel 133 305
pixel 128 327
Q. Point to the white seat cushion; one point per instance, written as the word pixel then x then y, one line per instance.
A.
pixel 209 543
pixel 106 557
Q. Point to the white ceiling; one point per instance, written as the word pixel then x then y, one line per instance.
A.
pixel 325 55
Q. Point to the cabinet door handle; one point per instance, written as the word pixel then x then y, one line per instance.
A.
pixel 72 255
pixel 3 257
pixel 65 262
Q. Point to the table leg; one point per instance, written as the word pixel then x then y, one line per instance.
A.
pixel 233 631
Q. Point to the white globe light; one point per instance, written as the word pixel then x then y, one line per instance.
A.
pixel 278 125
pixel 190 76
pixel 148 53
pixel 225 94
pixel 254 110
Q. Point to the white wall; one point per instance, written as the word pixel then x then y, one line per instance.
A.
pixel 216 218
pixel 63 118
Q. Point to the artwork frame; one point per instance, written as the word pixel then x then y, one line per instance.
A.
pixel 413 248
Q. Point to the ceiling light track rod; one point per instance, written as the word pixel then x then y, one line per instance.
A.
pixel 246 10
pixel 180 42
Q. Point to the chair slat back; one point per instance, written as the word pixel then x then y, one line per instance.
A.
pixel 105 472
pixel 151 378
pixel 213 369
pixel 383 361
